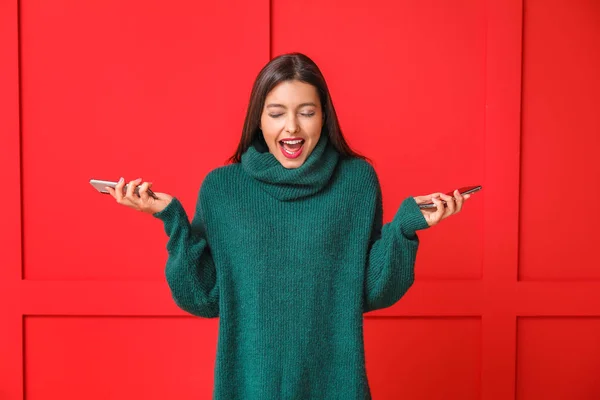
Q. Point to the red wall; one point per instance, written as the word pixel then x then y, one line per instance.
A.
pixel 440 94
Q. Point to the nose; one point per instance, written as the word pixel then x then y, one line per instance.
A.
pixel 291 125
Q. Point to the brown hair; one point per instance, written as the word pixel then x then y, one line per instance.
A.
pixel 287 67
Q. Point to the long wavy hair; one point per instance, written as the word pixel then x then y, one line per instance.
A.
pixel 288 67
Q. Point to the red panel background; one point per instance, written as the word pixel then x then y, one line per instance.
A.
pixel 439 94
pixel 558 358
pixel 119 357
pixel 561 140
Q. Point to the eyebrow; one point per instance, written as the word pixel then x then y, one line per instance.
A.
pixel 282 106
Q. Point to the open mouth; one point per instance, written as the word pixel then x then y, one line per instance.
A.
pixel 291 148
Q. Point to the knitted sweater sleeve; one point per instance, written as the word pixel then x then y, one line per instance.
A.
pixel 190 270
pixel 392 253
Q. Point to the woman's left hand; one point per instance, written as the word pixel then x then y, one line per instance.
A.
pixel 434 215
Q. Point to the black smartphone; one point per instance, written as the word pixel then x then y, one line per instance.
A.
pixel 463 190
pixel 99 186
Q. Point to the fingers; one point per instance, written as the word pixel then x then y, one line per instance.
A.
pixel 126 197
pixel 131 188
pixel 119 190
pixel 437 216
pixel 460 200
pixel 450 204
pixel 442 210
pixel 130 194
pixel 445 205
pixel 144 191
pixel 141 200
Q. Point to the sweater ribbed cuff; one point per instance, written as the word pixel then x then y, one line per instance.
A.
pixel 410 218
pixel 172 211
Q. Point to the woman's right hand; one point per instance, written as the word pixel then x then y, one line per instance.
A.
pixel 144 202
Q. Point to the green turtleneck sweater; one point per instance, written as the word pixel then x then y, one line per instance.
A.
pixel 290 259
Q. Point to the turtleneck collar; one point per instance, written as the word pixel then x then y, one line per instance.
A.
pixel 291 184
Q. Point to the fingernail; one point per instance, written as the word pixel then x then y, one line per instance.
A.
pixel 121 180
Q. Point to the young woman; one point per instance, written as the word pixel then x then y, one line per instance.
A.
pixel 287 245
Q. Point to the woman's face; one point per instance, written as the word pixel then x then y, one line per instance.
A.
pixel 291 122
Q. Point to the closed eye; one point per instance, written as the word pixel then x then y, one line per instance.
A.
pixel 303 114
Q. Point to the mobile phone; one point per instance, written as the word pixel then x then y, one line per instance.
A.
pixel 463 190
pixel 100 185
